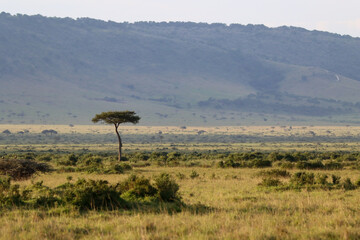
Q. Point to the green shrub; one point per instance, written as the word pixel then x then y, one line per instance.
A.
pixel 135 187
pixel 91 164
pixel 357 183
pixel 117 168
pixel 20 169
pixel 229 163
pixel 270 182
pixel 335 179
pixel 289 158
pixel 274 173
pixel 333 166
pixel 261 163
pixel 348 185
pixel 274 156
pixel 91 161
pixel 181 176
pixel 167 187
pixel 140 164
pixel 309 165
pixel 29 156
pixel 173 156
pixel 322 179
pixel 92 195
pixel 302 178
pixel 287 165
pixel 194 174
pixel 138 156
pixel 40 196
pixel 9 194
pixel 44 158
pixel 221 164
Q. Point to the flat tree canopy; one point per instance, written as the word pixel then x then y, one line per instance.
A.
pixel 117 118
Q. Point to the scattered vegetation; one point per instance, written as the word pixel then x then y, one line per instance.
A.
pixel 91 194
pixel 307 180
pixel 214 191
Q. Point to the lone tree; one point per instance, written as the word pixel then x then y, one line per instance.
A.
pixel 117 118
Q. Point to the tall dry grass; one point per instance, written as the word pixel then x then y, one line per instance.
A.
pixel 236 208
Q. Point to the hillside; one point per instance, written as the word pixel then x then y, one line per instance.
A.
pixel 61 70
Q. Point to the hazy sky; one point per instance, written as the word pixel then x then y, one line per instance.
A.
pixel 340 16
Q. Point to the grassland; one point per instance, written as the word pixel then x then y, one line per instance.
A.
pixel 222 203
pixel 236 209
pixel 167 138
pixel 223 130
pixel 278 146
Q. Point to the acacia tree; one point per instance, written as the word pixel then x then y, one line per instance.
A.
pixel 117 118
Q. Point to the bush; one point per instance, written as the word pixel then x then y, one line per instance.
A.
pixel 275 173
pixel 229 163
pixel 114 169
pixel 322 179
pixel 136 187
pixel 261 163
pixel 20 169
pixel 167 188
pixel 70 160
pixel 357 183
pixel 92 195
pixel 73 159
pixel 138 156
pixel 333 166
pixel 302 178
pixel 289 158
pixel 348 185
pixel 310 165
pixel 117 168
pixel 90 161
pixel 270 182
pixel 221 164
pixel 44 158
pixel 173 156
pixel 181 176
pixel 194 174
pixel 38 196
pixel 287 165
pixel 9 194
pixel 335 179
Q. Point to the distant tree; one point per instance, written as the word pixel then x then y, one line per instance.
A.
pixel 49 132
pixel 117 118
pixel 201 132
pixel 6 131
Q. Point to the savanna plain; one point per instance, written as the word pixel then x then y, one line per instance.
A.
pixel 281 182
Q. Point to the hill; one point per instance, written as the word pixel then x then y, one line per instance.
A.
pixel 61 70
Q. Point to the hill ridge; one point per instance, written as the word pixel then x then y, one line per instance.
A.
pixel 63 70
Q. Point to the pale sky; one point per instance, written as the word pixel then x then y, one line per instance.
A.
pixel 338 16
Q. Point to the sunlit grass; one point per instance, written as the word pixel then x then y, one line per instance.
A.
pixel 229 202
pixel 232 147
pixel 237 209
pixel 334 131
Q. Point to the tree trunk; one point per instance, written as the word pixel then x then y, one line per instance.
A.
pixel 120 143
